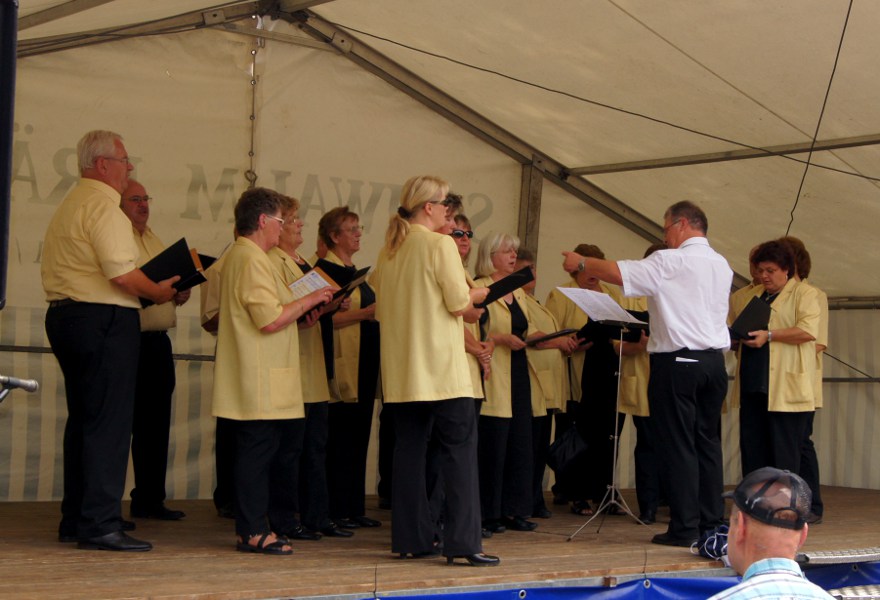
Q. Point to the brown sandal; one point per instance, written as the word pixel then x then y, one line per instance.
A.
pixel 277 547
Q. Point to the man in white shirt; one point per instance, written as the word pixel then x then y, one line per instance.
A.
pixel 767 528
pixel 687 287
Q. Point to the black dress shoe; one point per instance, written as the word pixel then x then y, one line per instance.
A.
pixel 128 525
pixel 161 512
pixel 475 560
pixel 541 512
pixel 346 523
pixel 300 533
pixel 494 526
pixel 118 541
pixel 67 538
pixel 664 539
pixel 519 524
pixel 333 530
pixel 485 533
pixel 648 517
pixel 365 521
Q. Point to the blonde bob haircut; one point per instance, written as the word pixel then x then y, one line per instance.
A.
pixel 491 244
pixel 416 193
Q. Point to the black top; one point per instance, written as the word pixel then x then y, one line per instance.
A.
pixel 754 368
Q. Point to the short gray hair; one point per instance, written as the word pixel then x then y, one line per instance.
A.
pixel 94 144
pixel 489 246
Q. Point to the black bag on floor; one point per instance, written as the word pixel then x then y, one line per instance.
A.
pixel 565 449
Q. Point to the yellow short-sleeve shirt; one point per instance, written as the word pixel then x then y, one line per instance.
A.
pixel 422 342
pixel 88 242
pixel 256 374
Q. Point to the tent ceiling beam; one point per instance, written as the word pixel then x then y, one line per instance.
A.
pixel 445 105
pixel 191 20
pixel 58 12
pixel 742 154
pixel 278 37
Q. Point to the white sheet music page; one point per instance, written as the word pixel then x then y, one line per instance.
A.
pixel 599 306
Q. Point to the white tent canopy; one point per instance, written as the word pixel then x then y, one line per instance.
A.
pixel 569 121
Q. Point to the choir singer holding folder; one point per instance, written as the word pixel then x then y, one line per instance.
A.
pixel 421 295
pixel 778 365
pixel 257 378
pixel 92 284
pixel 687 287
pixel 155 376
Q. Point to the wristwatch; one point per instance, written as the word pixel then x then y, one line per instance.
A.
pixel 769 336
pixel 580 267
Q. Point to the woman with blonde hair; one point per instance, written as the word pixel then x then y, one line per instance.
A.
pixel 421 295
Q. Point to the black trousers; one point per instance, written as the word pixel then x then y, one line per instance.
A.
pixel 685 392
pixel 809 470
pixel 349 425
pixel 313 496
pixel 224 464
pixel 386 450
pixel 505 461
pixel 596 416
pixel 266 456
pixel 152 419
pixel 541 429
pixel 769 439
pixel 646 466
pixel 97 348
pixel 412 529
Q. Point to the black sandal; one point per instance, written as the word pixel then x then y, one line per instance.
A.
pixel 276 547
pixel 582 508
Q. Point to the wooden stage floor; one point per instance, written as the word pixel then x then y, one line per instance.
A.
pixel 195 559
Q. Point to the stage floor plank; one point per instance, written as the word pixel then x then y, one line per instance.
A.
pixel 195 559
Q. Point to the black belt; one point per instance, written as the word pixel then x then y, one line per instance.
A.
pixel 689 351
pixel 62 302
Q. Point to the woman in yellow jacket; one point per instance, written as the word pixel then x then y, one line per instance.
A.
pixel 549 380
pixel 777 374
pixel 313 499
pixel 257 386
pixel 421 296
pixel 505 430
pixel 355 373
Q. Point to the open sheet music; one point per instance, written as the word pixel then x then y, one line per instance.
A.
pixel 600 307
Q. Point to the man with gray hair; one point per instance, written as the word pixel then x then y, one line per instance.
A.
pixel 767 528
pixel 92 285
pixel 687 287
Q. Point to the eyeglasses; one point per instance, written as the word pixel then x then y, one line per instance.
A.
pixel 122 160
pixel 460 233
pixel 354 229
pixel 279 219
pixel 139 199
pixel 668 227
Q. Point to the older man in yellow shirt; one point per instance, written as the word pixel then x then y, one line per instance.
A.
pixel 92 284
pixel 155 378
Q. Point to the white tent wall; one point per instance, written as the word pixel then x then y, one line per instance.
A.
pixel 329 133
pixel 326 132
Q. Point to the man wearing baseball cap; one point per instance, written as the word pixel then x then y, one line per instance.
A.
pixel 767 527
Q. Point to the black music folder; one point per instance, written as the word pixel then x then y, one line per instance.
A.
pixel 502 287
pixel 754 317
pixel 550 336
pixel 176 259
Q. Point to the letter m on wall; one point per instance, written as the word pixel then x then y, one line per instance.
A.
pixel 198 188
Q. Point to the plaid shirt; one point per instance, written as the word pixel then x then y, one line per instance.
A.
pixel 773 579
